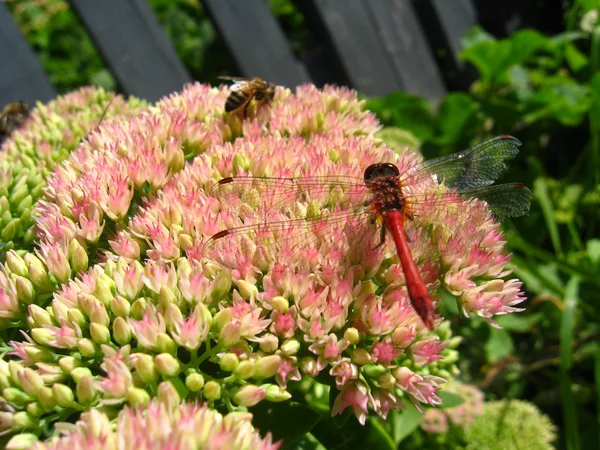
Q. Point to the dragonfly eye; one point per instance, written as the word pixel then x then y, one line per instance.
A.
pixel 380 170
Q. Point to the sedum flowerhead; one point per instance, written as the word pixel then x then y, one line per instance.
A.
pixel 160 425
pixel 121 302
pixel 51 132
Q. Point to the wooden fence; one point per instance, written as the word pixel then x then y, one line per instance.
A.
pixel 375 46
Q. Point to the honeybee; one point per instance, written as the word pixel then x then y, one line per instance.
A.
pixel 246 89
pixel 12 116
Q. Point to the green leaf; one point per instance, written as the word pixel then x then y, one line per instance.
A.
pixel 288 420
pixel 474 36
pixel 306 442
pixel 576 59
pixel 405 422
pixel 450 399
pixel 456 114
pixel 490 58
pixel 405 111
pixel 516 322
pixel 593 250
pixel 562 98
pixel 498 345
pixel 540 191
pixel 377 436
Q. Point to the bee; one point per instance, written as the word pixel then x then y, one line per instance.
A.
pixel 246 89
pixel 12 116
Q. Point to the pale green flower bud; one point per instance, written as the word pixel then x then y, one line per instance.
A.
pixel 211 391
pixel 46 398
pixel 247 290
pixel 280 304
pixel 267 366
pixel 290 347
pixel 30 381
pixel 276 393
pixel 24 421
pixel 121 331
pixel 168 394
pixel 166 297
pixel 352 336
pixel 120 306
pixel 269 343
pixel 167 365
pixel 79 372
pixel 221 285
pixel 248 395
pixel 78 256
pixel 229 361
pixel 222 318
pixel 25 290
pixel 87 347
pixel 35 410
pixel 41 336
pixel 386 381
pixel 38 273
pixel 99 333
pixel 16 396
pixel 244 370
pixel 39 353
pixel 86 390
pixel 75 315
pixel 145 367
pixel 21 441
pixel 63 394
pixel 194 382
pixel 137 396
pixel 40 316
pixel 165 343
pixel 16 264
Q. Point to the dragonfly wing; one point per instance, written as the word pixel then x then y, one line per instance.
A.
pixel 475 167
pixel 505 200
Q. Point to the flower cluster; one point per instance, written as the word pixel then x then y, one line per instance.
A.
pixel 127 298
pixel 162 424
pixel 31 153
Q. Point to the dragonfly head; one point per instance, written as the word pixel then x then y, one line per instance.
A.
pixel 380 171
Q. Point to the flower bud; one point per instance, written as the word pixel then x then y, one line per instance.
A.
pixel 280 304
pixel 7 421
pixel 248 395
pixel 166 297
pixel 137 308
pixel 145 367
pixel 229 361
pixel 75 315
pixel 46 398
pixel 221 285
pixel 247 290
pixel 290 347
pixel 267 366
pixel 165 343
pixel 35 410
pixel 352 336
pixel 86 347
pixel 78 373
pixel 30 381
pixel 120 306
pixel 309 366
pixel 269 343
pixel 14 368
pixel 222 318
pixel 211 391
pixel 276 393
pixel 194 382
pixel 244 370
pixel 105 286
pixel 167 365
pixel 21 441
pixel 99 333
pixel 168 394
pixel 16 396
pixel 25 290
pixel 79 258
pixel 63 394
pixel 9 231
pixel 24 421
pixel 16 264
pixel 40 316
pixel 229 335
pixel 374 370
pixel 39 353
pixel 121 331
pixel 361 356
pixel 41 336
pixel 86 390
pixel 137 396
pixel 38 273
pixel 386 381
pixel 99 315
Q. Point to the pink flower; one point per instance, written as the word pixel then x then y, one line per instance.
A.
pixel 356 396
pixel 147 330
pixel 118 379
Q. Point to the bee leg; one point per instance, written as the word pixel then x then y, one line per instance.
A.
pixel 381 239
pixel 245 112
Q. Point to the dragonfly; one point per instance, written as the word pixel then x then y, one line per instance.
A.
pixel 385 195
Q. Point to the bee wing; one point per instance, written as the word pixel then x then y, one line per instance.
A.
pixel 225 77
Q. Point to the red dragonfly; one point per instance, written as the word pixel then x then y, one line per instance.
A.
pixel 384 195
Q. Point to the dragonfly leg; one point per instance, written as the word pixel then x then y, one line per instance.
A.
pixel 381 238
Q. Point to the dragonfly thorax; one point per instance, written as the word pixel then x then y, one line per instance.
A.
pixel 382 179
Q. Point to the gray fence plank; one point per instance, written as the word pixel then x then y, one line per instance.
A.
pixel 407 48
pixel 357 43
pixel 21 74
pixel 256 41
pixel 134 46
